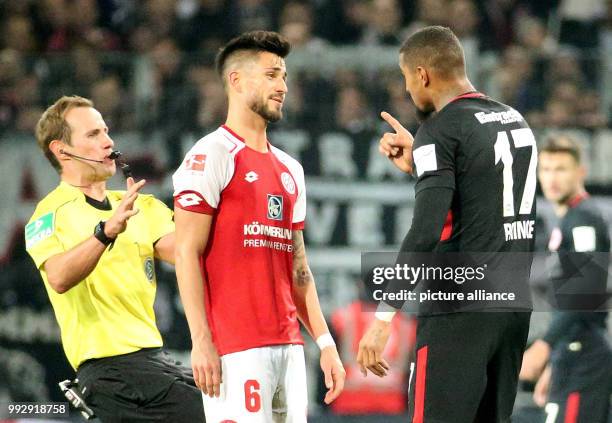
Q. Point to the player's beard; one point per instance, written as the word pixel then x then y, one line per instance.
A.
pixel 423 114
pixel 262 109
pixel 566 198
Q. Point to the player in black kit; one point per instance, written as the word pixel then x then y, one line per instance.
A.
pixel 572 363
pixel 475 163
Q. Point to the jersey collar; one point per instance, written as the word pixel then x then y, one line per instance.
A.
pixel 239 138
pixel 74 192
pixel 232 133
pixel 470 94
pixel 71 190
pixel 577 199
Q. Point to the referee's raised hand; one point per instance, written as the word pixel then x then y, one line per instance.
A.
pixel 397 146
pixel 117 224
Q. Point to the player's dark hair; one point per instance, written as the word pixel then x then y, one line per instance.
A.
pixel 437 48
pixel 253 41
pixel 562 144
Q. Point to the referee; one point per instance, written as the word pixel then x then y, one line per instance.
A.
pixel 95 250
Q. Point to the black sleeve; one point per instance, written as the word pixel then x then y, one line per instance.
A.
pixel 434 161
pixel 563 321
pixel 584 276
pixel 430 210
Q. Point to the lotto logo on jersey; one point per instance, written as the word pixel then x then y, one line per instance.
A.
pixel 195 162
pixel 189 199
pixel 275 207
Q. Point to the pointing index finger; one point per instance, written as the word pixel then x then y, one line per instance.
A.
pixel 392 121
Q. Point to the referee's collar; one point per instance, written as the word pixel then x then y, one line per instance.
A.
pixel 71 190
pixel 75 192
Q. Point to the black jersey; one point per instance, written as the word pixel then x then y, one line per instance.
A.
pixel 486 153
pixel 582 229
pixel 581 357
pixel 582 234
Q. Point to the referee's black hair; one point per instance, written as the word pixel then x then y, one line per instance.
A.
pixel 253 41
pixel 437 48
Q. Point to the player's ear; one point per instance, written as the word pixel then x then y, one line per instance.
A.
pixel 233 80
pixel 423 76
pixel 582 172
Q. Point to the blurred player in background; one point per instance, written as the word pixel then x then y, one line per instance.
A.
pixel 95 250
pixel 470 155
pixel 372 395
pixel 240 206
pixel 572 363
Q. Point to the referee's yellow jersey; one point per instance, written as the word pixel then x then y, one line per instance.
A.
pixel 111 311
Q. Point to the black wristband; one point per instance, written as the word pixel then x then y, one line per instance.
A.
pixel 100 235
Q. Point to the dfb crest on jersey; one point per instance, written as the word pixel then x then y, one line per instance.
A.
pixel 275 207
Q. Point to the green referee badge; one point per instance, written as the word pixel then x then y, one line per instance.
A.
pixel 149 268
pixel 40 229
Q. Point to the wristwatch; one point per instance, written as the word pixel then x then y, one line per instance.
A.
pixel 100 235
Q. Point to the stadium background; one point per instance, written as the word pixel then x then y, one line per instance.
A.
pixel 147 65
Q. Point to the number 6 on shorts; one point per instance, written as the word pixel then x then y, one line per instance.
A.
pixel 252 399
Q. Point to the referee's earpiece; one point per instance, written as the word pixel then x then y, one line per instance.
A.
pixel 60 152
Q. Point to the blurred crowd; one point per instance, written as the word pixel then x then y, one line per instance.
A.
pixel 147 64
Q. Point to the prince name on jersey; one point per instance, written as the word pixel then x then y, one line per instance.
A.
pixel 486 153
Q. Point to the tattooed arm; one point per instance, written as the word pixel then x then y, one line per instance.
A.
pixel 305 291
pixel 310 314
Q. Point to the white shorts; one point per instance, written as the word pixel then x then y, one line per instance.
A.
pixel 266 384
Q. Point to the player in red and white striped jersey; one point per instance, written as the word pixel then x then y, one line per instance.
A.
pixel 240 206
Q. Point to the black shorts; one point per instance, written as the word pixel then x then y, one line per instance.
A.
pixel 581 380
pixel 587 406
pixel 467 367
pixel 143 386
